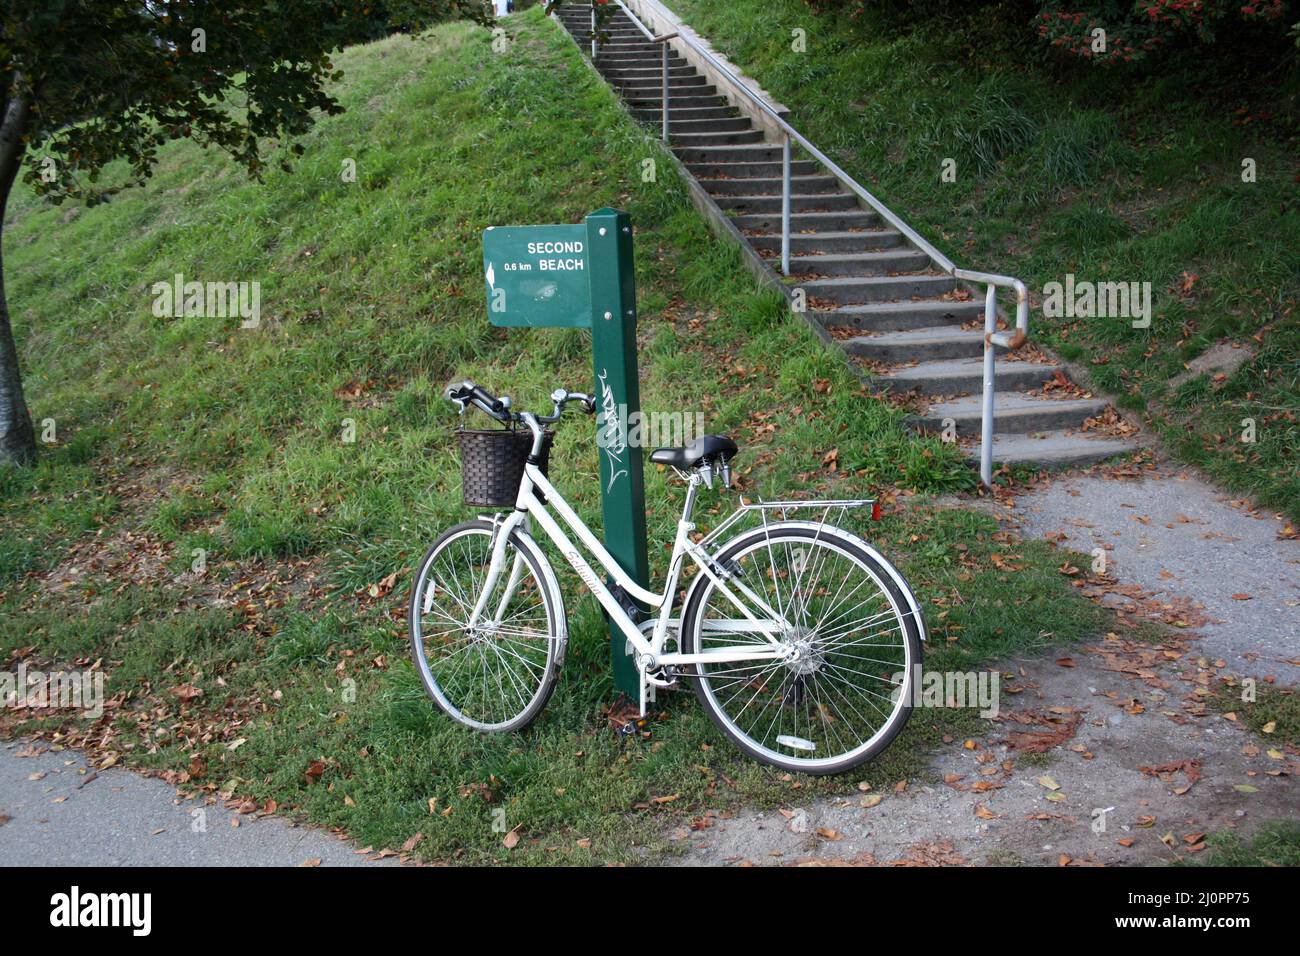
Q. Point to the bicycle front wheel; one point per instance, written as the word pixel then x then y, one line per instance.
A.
pixel 843 694
pixel 498 674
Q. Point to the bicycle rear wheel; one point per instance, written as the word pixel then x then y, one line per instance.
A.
pixel 846 694
pixel 499 674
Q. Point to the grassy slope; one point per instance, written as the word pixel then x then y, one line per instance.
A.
pixel 238 433
pixel 1096 175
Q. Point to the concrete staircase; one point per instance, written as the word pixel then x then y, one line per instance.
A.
pixel 914 330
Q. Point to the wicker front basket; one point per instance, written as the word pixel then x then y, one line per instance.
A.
pixel 492 464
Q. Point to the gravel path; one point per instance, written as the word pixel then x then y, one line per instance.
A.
pixel 1182 538
pixel 1138 746
pixel 987 800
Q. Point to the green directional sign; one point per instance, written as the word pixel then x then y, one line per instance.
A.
pixel 582 277
pixel 537 276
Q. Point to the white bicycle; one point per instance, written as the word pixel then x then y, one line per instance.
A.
pixel 799 637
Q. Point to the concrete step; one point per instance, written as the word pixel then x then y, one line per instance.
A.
pixel 815 202
pixel 676 101
pixel 705 172
pixel 685 113
pixel 817 243
pixel 635 51
pixel 854 290
pixel 580 18
pixel 886 262
pixel 801 185
pixel 1013 413
pixel 642 87
pixel 649 72
pixel 962 376
pixel 623 31
pixel 917 345
pixel 718 139
pixel 647 54
pixel 652 79
pixel 884 287
pixel 758 153
pixel 614 27
pixel 1054 449
pixel 727 124
pixel 808 221
pixel 897 316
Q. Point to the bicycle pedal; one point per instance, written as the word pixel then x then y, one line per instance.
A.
pixel 663 679
pixel 633 728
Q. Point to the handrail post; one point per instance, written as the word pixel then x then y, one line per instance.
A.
pixel 986 419
pixel 593 33
pixel 785 206
pixel 663 46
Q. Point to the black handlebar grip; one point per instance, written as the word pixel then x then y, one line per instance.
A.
pixel 488 399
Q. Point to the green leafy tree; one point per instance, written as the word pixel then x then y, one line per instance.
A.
pixel 89 82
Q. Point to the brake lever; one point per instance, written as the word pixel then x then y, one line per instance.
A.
pixel 459 401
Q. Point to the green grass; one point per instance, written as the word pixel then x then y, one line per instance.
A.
pixel 1276 843
pixel 182 434
pixel 1093 173
pixel 1274 713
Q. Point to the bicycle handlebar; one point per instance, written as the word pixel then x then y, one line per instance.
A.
pixel 463 393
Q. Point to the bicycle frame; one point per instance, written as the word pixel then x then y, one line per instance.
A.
pixel 757 617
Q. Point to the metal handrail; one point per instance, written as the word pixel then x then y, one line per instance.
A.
pixel 653 39
pixel 1009 339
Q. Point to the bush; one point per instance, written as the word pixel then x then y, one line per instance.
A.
pixel 1106 31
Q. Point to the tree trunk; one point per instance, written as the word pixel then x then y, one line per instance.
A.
pixel 17 437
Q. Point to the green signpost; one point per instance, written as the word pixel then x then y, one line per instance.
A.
pixel 582 277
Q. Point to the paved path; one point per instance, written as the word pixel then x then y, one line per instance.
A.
pixel 58 815
pixel 985 800
pixel 1128 711
pixel 1181 538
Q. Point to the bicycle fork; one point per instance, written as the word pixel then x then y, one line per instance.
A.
pixel 495 566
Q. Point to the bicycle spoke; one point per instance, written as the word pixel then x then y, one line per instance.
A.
pixel 833 695
pixel 490 674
